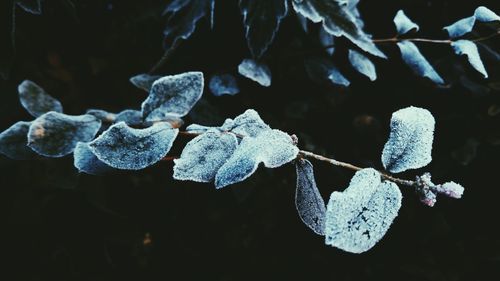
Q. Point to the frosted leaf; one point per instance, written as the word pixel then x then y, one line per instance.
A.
pixel 274 148
pixel 358 217
pixel 56 134
pixel 468 48
pixel 131 117
pixel 451 189
pixel 203 156
pixel 403 23
pixel 173 95
pixel 224 84
pixel 197 128
pixel 86 162
pixel 144 81
pixel 102 115
pixel 255 71
pixel 321 70
pixel 14 140
pixel 327 41
pixel 484 14
pixel 35 100
pixel 410 141
pixel 460 27
pixel 308 200
pixel 362 64
pixel 262 19
pixel 417 62
pixel 30 6
pixel 248 123
pixel 126 148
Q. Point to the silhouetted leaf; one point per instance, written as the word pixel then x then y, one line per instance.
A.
pixel 468 48
pixel 223 84
pixel 35 100
pixel 14 141
pixel 144 81
pixel 417 62
pixel 86 162
pixel 255 71
pixel 403 23
pixel 362 64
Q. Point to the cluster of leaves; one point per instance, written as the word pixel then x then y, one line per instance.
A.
pixel 353 220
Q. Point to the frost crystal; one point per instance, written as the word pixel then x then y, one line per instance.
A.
pixel 127 148
pixel 204 155
pixel 362 64
pixel 274 148
pixel 35 100
pixel 403 23
pixel 173 95
pixel 224 84
pixel 86 162
pixel 417 62
pixel 410 141
pixel 255 71
pixel 308 200
pixel 144 81
pixel 55 134
pixel 468 48
pixel 358 217
pixel 14 140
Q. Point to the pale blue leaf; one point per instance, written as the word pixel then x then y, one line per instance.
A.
pixel 484 14
pixel 86 161
pixel 126 148
pixel 468 48
pixel 30 6
pixel 358 217
pixel 223 84
pixel 308 200
pixel 321 70
pixel 403 23
pixel 410 142
pixel 262 19
pixel 144 81
pixel 460 27
pixel 35 100
pixel 55 134
pixel 362 64
pixel 14 141
pixel 258 72
pixel 203 156
pixel 248 123
pixel 273 148
pixel 102 115
pixel 131 117
pixel 417 62
pixel 327 41
pixel 173 95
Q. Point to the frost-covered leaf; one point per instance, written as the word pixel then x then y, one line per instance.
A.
pixel 102 115
pixel 468 48
pixel 410 141
pixel 339 18
pixel 417 62
pixel 144 81
pixel 14 141
pixel 35 100
pixel 223 84
pixel 362 64
pixel 203 156
pixel 262 19
pixel 321 70
pixel 86 162
pixel 131 117
pixel 30 6
pixel 403 23
pixel 173 95
pixel 56 134
pixel 182 18
pixel 126 148
pixel 308 200
pixel 327 41
pixel 258 72
pixel 274 148
pixel 465 25
pixel 358 217
pixel 248 123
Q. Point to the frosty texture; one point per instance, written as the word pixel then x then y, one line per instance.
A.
pixel 35 100
pixel 86 162
pixel 255 71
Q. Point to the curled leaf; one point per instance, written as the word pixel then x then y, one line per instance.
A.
pixel 417 62
pixel 35 100
pixel 468 48
pixel 362 64
pixel 403 23
pixel 465 25
pixel 255 71
pixel 86 162
pixel 14 141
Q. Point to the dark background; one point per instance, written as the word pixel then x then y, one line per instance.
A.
pixel 57 224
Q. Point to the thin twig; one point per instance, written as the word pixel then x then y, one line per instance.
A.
pixel 168 53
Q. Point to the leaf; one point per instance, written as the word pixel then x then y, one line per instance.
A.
pixel 203 156
pixel 131 117
pixel 362 64
pixel 321 70
pixel 223 84
pixel 35 100
pixel 468 48
pixel 102 115
pixel 339 18
pixel 173 95
pixel 248 123
pixel 122 147
pixel 274 148
pixel 302 22
pixel 255 71
pixel 86 161
pixel 262 19
pixel 410 141
pixel 327 41
pixel 403 23
pixel 358 217
pixel 484 14
pixel 182 18
pixel 14 141
pixel 417 62
pixel 56 134
pixel 144 81
pixel 465 25
pixel 30 6
pixel 308 200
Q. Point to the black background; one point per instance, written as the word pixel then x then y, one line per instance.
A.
pixel 60 225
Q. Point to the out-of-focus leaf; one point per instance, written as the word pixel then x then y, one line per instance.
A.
pixel 327 41
pixel 14 141
pixel 255 71
pixel 468 48
pixel 362 64
pixel 131 117
pixel 30 6
pixel 403 23
pixel 102 115
pixel 86 162
pixel 144 81
pixel 223 84
pixel 417 62
pixel 321 70
pixel 35 100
